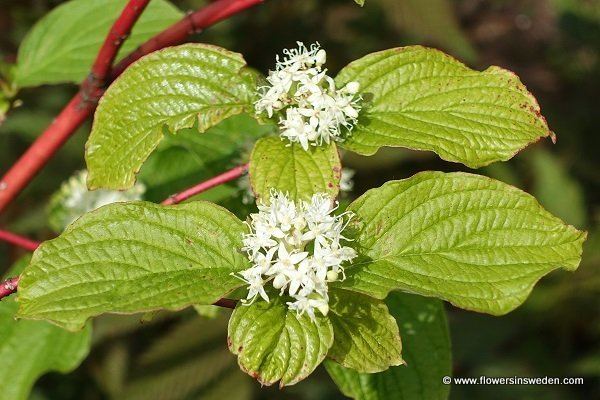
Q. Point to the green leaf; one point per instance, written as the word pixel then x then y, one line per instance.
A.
pixel 232 386
pixel 8 89
pixel 208 311
pixel 62 46
pixel 360 2
pixel 366 335
pixel 172 88
pixel 433 21
pixel 274 344
pixel 134 257
pixel 289 168
pixel 29 349
pixel 5 105
pixel 187 158
pixel 426 340
pixel 556 189
pixel 476 242
pixel 188 362
pixel 505 172
pixel 423 99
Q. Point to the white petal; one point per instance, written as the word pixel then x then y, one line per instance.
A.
pixel 294 286
pixel 296 258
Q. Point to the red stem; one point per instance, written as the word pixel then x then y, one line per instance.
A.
pixel 192 23
pixel 120 31
pixel 17 240
pixel 75 112
pixel 225 177
pixel 84 103
pixel 9 286
pixel 45 146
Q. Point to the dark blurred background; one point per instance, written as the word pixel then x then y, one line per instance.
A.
pixel 553 45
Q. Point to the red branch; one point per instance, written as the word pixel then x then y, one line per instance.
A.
pixel 225 177
pixel 17 240
pixel 84 103
pixel 119 32
pixel 74 113
pixel 192 23
pixel 9 286
pixel 45 146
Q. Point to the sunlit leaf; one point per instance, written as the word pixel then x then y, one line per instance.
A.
pixel 366 335
pixel 276 164
pixel 476 242
pixel 170 89
pixel 422 99
pixel 274 344
pixel 134 257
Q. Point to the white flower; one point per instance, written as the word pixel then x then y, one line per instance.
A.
pixel 264 261
pixel 256 284
pixel 308 306
pixel 297 248
pixel 74 199
pixel 311 109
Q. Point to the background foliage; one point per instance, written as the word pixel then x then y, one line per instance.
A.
pixel 551 44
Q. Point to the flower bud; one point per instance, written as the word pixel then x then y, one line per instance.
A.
pixel 279 281
pixel 321 57
pixel 353 87
pixel 350 112
pixel 332 276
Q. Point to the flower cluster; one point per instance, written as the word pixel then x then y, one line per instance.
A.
pixel 312 110
pixel 297 248
pixel 74 199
